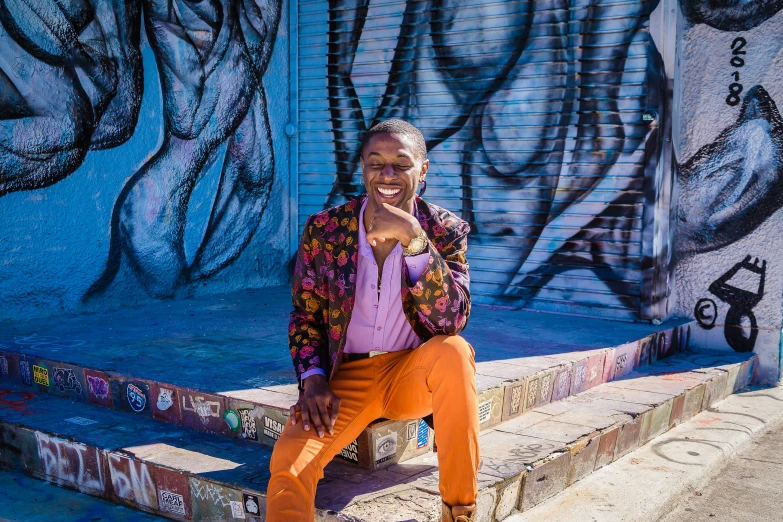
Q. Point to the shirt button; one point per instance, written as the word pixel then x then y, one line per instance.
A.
pixel 377 347
pixel 379 328
pixel 375 306
pixel 413 267
pixel 372 286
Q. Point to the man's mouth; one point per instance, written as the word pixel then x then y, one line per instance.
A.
pixel 388 193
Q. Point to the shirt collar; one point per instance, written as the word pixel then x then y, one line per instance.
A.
pixel 365 248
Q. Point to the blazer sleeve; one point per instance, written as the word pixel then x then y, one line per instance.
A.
pixel 307 328
pixel 441 295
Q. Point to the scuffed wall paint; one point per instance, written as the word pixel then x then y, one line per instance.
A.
pixel 543 120
pixel 140 151
pixel 729 275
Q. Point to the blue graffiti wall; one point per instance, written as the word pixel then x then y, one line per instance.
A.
pixel 543 122
pixel 141 151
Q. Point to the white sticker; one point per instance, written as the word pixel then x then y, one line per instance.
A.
pixel 386 448
pixel 237 511
pixel 485 411
pixel 164 399
pixel 81 421
pixel 412 429
pixel 172 502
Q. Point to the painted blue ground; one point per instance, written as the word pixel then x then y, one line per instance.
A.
pixel 25 499
pixel 239 340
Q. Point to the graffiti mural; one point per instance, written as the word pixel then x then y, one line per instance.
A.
pixel 534 115
pixel 79 79
pixel 730 178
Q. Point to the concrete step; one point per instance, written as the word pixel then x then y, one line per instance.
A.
pixel 182 474
pixel 221 365
pixel 26 499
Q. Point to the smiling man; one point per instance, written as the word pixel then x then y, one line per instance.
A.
pixel 380 293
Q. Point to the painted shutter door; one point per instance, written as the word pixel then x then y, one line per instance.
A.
pixel 532 113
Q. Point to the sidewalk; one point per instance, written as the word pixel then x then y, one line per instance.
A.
pixel 649 484
pixel 746 490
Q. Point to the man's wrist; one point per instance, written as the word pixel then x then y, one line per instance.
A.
pixel 413 233
pixel 313 380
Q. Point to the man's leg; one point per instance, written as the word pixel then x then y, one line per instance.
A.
pixel 299 456
pixel 439 377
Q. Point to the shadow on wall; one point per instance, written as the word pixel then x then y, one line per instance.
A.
pixel 71 81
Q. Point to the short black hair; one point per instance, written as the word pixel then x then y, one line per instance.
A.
pixel 401 128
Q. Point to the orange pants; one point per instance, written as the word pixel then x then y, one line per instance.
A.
pixel 438 378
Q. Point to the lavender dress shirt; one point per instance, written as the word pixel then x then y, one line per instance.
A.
pixel 377 321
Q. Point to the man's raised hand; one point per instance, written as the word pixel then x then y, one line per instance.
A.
pixel 315 404
pixel 389 223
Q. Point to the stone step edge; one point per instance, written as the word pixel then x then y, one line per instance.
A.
pixel 560 469
pixel 542 478
pixel 262 417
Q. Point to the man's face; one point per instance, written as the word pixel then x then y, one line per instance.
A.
pixel 392 170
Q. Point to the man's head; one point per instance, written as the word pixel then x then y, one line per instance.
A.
pixel 394 162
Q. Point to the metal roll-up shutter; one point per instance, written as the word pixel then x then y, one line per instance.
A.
pixel 532 112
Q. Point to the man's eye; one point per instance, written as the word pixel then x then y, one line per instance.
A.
pixel 376 166
pixel 403 167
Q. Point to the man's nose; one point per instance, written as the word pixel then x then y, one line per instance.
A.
pixel 387 172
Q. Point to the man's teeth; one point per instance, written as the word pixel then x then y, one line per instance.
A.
pixel 388 192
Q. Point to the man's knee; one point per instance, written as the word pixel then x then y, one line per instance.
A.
pixel 454 350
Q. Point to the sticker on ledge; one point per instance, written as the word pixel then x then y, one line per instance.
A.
pixel 136 398
pixel 411 430
pixel 164 399
pixel 41 375
pixel 350 452
pixel 172 502
pixel 25 373
pixel 424 435
pixel 485 411
pixel 386 448
pixel 249 430
pixel 65 380
pixel 272 428
pixel 81 421
pixel 252 505
pixel 98 386
pixel 236 509
pixel 232 419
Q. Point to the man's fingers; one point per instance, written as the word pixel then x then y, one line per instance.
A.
pixel 293 410
pixel 315 416
pixel 306 417
pixel 335 412
pixel 323 410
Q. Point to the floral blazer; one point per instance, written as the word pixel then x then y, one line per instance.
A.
pixel 325 272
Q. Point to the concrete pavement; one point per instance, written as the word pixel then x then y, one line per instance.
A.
pixel 650 483
pixel 748 489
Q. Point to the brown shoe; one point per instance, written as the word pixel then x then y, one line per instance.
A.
pixel 457 513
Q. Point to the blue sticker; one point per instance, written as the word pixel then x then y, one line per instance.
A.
pixel 424 434
pixel 25 373
pixel 136 398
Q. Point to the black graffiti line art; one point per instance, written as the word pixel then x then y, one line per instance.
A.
pixel 730 15
pixel 741 302
pixel 70 80
pixel 211 57
pixel 706 313
pixel 492 77
pixel 739 175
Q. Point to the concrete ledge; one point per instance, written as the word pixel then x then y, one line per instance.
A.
pixel 124 374
pixel 648 483
pixel 174 471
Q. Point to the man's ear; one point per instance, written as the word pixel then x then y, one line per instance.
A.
pixel 424 168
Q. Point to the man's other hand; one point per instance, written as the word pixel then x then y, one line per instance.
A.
pixel 314 405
